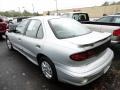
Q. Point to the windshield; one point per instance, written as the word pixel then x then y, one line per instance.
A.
pixel 67 28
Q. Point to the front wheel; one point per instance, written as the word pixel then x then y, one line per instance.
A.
pixel 9 44
pixel 48 68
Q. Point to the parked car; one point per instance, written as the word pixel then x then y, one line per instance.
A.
pixel 117 13
pixel 13 23
pixel 3 26
pixel 63 48
pixel 77 16
pixel 109 24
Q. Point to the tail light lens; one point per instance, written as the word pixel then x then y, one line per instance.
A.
pixel 90 53
pixel 82 56
pixel 116 32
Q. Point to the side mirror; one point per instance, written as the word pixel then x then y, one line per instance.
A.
pixel 10 21
pixel 14 30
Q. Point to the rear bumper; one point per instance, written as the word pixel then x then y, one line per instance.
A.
pixel 115 40
pixel 84 78
pixel 2 32
pixel 115 45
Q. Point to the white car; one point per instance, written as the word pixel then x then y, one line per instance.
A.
pixel 109 24
pixel 63 48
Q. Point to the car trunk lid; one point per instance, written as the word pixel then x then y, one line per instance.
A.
pixel 88 39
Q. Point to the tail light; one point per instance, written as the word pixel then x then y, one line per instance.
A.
pixel 7 26
pixel 82 56
pixel 4 26
pixel 116 32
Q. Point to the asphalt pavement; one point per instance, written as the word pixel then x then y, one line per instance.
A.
pixel 18 73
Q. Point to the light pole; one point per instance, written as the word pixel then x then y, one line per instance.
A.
pixel 23 9
pixel 56 6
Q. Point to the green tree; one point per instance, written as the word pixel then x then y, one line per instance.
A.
pixel 36 14
pixel 13 13
pixel 114 3
pixel 26 13
pixel 105 3
pixel 118 3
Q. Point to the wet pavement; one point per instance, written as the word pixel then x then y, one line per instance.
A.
pixel 17 73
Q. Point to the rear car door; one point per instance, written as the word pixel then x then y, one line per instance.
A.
pixel 16 37
pixel 111 28
pixel 33 41
pixel 105 28
pixel 99 25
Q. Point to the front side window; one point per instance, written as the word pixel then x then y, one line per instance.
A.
pixel 21 27
pixel 105 19
pixel 33 28
pixel 67 28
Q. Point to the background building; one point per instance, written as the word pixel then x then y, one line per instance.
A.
pixel 94 12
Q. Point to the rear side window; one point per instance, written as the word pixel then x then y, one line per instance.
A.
pixel 116 20
pixel 105 19
pixel 40 32
pixel 33 28
pixel 67 28
pixel 80 17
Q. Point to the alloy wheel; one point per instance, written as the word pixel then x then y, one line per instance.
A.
pixel 46 69
pixel 9 44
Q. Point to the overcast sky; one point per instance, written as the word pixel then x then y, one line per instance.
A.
pixel 45 5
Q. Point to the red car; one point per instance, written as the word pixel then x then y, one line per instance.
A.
pixel 3 26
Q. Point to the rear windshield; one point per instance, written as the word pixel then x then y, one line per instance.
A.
pixel 67 28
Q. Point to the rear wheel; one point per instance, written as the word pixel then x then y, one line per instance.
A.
pixel 9 44
pixel 47 68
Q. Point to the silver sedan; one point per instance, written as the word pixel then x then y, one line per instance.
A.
pixel 63 48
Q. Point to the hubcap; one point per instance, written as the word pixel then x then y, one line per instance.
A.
pixel 46 69
pixel 9 44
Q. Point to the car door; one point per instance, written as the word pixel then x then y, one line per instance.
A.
pixel 32 42
pixel 105 28
pixel 15 37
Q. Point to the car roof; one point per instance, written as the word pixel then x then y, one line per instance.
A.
pixel 117 13
pixel 114 15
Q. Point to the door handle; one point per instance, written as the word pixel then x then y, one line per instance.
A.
pixel 19 39
pixel 38 46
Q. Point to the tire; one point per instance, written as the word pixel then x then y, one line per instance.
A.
pixel 9 44
pixel 47 68
pixel 0 36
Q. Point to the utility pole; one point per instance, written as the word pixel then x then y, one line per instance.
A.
pixel 19 9
pixel 33 8
pixel 56 7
